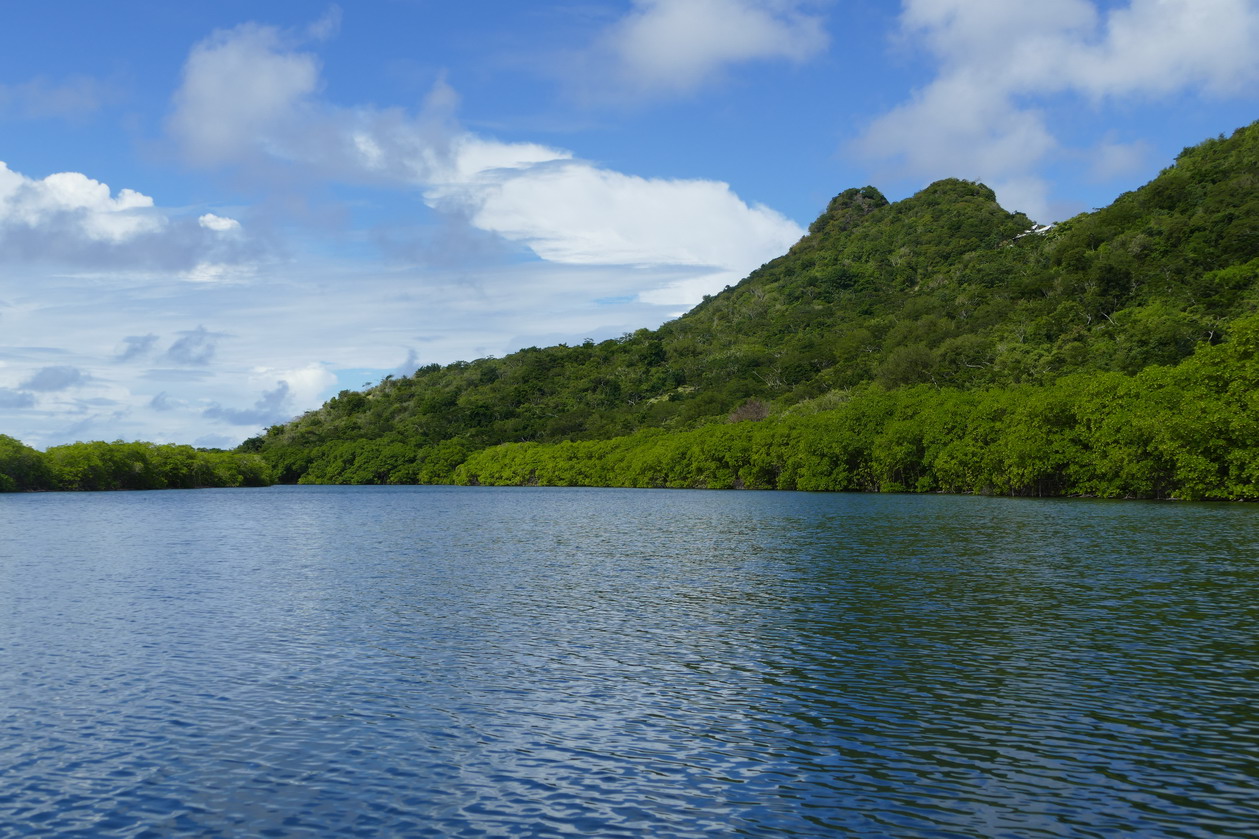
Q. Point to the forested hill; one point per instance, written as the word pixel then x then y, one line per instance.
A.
pixel 944 290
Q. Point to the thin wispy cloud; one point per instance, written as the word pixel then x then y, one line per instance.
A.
pixel 670 48
pixel 194 348
pixel 57 377
pixel 136 346
pixel 163 402
pixel 71 98
pixel 15 399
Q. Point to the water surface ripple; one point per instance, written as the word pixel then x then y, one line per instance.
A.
pixel 403 661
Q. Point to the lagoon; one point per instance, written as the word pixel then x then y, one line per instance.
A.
pixel 442 661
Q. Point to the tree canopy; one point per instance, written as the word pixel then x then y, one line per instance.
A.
pixel 119 465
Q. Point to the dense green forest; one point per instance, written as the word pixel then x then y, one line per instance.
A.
pixel 936 343
pixel 119 465
pixel 1189 431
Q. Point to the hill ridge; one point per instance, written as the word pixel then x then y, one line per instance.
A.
pixel 943 289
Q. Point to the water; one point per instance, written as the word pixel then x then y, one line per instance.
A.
pixel 403 661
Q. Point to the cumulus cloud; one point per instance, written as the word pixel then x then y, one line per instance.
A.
pixel 249 82
pixel 283 123
pixel 671 47
pixel 71 218
pixel 566 210
pixel 59 377
pixel 196 347
pixel 219 224
pixel 979 117
pixel 573 212
pixel 88 204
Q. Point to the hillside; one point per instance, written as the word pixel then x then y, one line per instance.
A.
pixel 943 291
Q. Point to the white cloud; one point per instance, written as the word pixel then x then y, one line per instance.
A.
pixel 472 158
pixel 87 205
pixel 669 47
pixel 978 118
pixel 567 211
pixel 219 224
pixel 238 84
pixel 75 220
pixel 305 383
pixel 577 213
pixel 1158 47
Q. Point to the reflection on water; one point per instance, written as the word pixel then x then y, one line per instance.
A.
pixel 323 661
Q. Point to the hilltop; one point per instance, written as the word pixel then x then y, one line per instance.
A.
pixel 944 292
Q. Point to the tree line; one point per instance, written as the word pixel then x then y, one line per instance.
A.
pixel 1189 431
pixel 120 465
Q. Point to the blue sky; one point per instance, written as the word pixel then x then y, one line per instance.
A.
pixel 215 215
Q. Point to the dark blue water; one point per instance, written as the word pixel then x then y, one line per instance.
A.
pixel 321 661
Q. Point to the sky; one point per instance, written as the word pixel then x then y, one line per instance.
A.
pixel 214 216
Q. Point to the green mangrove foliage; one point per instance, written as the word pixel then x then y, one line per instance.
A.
pixel 119 465
pixel 943 300
pixel 1189 432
